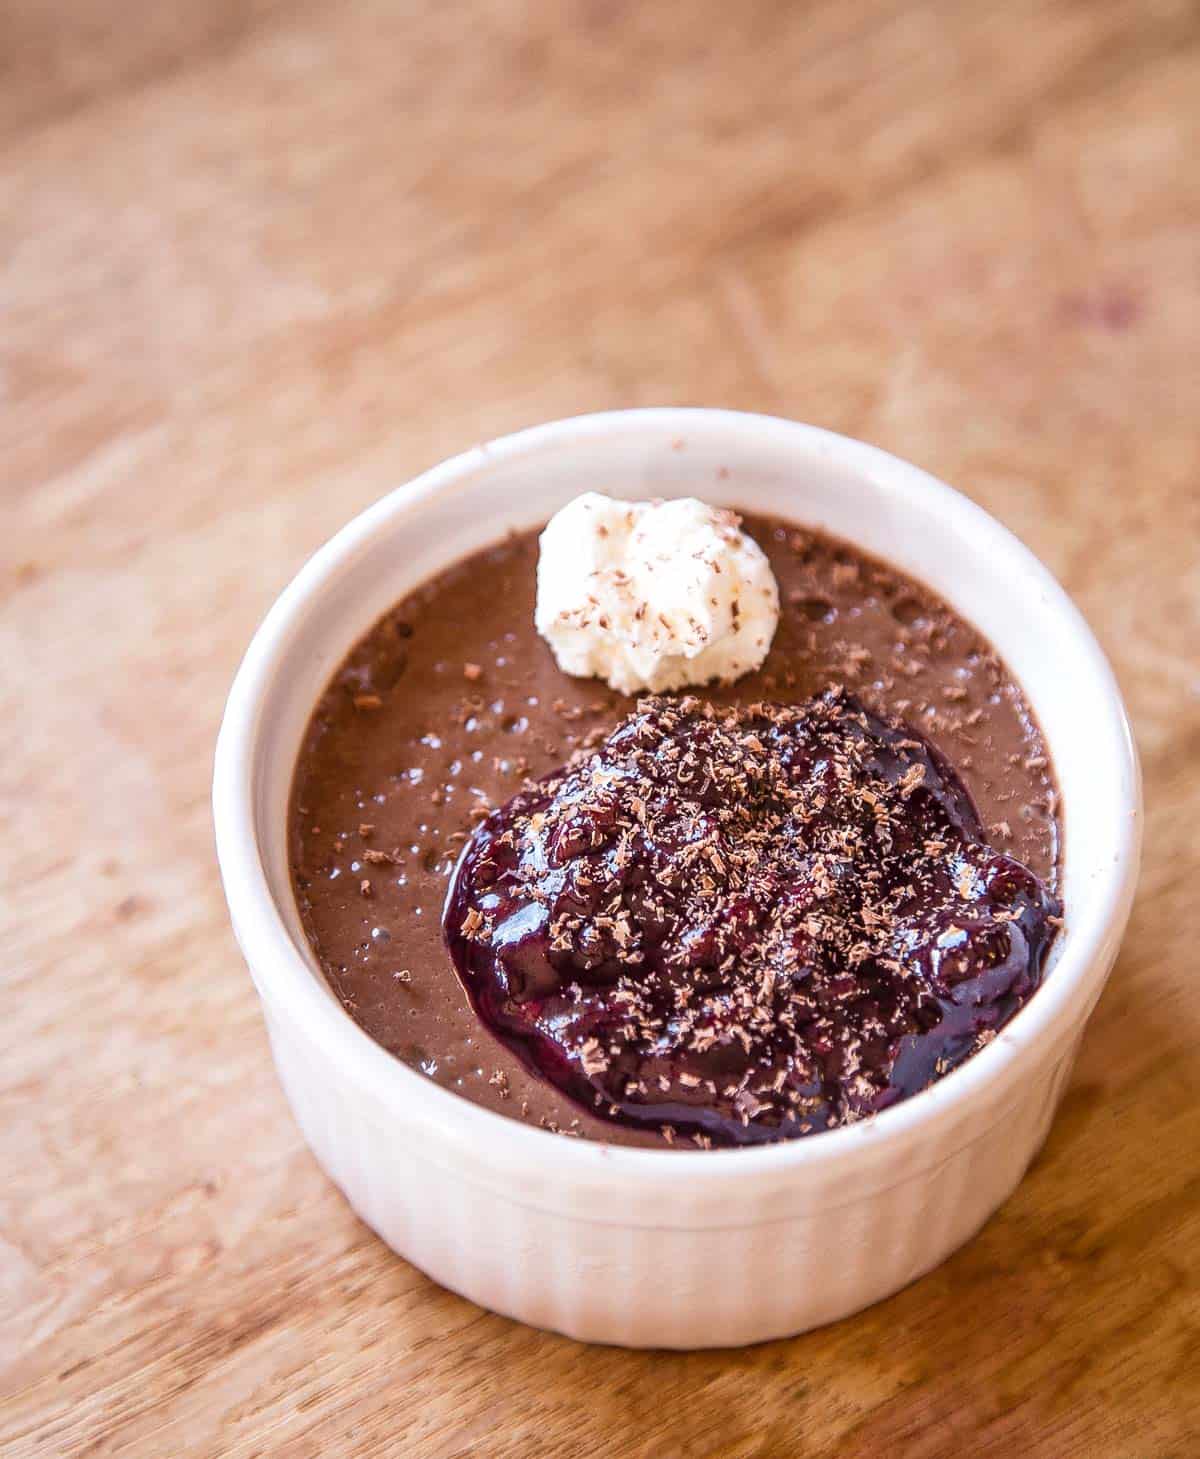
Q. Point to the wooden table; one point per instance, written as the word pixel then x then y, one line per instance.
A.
pixel 259 262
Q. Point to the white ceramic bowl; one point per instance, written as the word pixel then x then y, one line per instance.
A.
pixel 679 1249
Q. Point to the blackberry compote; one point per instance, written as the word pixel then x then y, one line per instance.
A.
pixel 745 925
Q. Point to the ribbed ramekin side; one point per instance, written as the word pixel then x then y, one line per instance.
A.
pixel 697 1278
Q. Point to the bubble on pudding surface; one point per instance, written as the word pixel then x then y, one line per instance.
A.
pixel 908 610
pixel 816 609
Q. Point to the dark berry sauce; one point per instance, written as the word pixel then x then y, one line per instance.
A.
pixel 745 925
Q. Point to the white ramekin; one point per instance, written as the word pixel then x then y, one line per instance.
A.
pixel 674 1248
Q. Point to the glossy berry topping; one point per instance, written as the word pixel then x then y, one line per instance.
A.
pixel 745 925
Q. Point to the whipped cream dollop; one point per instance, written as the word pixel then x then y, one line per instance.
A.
pixel 653 595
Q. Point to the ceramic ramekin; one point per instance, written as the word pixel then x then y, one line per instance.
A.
pixel 678 1249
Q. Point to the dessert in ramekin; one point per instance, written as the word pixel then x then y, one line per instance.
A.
pixel 615 1241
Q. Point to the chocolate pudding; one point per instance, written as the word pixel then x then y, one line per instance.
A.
pixel 849 905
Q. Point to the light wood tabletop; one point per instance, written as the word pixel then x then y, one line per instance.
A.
pixel 260 260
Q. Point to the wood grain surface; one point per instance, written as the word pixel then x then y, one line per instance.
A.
pixel 261 261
